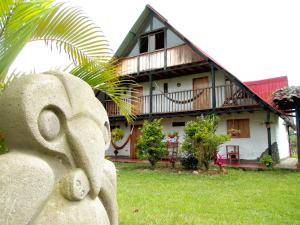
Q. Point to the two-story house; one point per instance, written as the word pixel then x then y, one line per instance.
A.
pixel 177 81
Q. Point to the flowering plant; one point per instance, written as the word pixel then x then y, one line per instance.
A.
pixel 219 160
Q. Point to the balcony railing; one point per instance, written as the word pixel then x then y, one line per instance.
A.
pixel 184 101
pixel 178 55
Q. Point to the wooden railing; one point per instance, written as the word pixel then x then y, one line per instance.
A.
pixel 178 55
pixel 227 96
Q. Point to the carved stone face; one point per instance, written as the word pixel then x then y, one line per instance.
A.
pixel 57 114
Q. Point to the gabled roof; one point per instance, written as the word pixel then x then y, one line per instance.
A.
pixel 265 88
pixel 133 35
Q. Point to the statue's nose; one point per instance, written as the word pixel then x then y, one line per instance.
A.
pixel 87 146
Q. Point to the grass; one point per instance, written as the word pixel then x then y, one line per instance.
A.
pixel 240 197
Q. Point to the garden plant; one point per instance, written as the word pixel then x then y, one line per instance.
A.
pixel 201 140
pixel 150 144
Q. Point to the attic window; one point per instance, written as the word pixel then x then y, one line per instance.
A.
pixel 159 40
pixel 152 41
pixel 144 44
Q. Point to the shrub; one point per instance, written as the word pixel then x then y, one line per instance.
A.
pixel 188 161
pixel 266 160
pixel 150 144
pixel 201 139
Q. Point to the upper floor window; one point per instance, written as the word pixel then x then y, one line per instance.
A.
pixel 159 40
pixel 152 42
pixel 144 44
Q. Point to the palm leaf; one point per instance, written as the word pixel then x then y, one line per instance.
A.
pixel 103 77
pixel 19 26
pixel 68 30
pixel 72 32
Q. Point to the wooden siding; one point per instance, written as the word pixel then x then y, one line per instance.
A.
pixel 178 55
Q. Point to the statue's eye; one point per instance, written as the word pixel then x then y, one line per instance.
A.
pixel 49 124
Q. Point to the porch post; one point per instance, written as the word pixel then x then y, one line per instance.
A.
pixel 213 84
pixel 297 109
pixel 151 93
pixel 138 56
pixel 268 125
pixel 165 46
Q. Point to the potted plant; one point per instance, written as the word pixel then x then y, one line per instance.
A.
pixel 116 135
pixel 267 160
pixel 234 132
pixel 172 135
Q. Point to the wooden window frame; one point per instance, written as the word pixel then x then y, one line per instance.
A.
pixel 241 124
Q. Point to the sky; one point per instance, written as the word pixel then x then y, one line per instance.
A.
pixel 252 39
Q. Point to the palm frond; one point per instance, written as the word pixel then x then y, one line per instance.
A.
pixel 18 30
pixel 69 30
pixel 104 77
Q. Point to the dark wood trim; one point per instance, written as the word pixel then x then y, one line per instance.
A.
pixel 268 121
pixel 165 46
pixel 151 94
pixel 213 82
pixel 151 32
pixel 298 131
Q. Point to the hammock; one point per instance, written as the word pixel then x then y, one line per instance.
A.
pixel 124 144
pixel 180 101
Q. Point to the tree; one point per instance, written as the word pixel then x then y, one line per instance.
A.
pixel 150 144
pixel 67 29
pixel 201 139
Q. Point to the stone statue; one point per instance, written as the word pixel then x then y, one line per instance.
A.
pixel 55 173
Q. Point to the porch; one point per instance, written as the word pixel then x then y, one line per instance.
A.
pixel 243 164
pixel 227 97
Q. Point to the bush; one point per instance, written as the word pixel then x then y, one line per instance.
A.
pixel 150 144
pixel 188 161
pixel 266 160
pixel 201 139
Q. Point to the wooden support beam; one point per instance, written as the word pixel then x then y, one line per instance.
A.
pixel 298 133
pixel 165 46
pixel 213 82
pixel 151 95
pixel 268 125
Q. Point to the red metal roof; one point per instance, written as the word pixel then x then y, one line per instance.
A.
pixel 265 88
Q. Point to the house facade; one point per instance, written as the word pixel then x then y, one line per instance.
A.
pixel 177 81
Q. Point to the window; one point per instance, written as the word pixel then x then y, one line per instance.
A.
pixel 144 44
pixel 165 87
pixel 159 40
pixel 239 125
pixel 152 41
pixel 178 124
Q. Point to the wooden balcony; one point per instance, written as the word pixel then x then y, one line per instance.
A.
pixel 163 58
pixel 227 96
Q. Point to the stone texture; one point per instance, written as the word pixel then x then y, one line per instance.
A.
pixel 275 153
pixel 55 172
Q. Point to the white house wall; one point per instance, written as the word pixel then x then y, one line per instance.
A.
pixel 281 137
pixel 250 148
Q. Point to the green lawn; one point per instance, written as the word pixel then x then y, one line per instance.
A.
pixel 240 197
